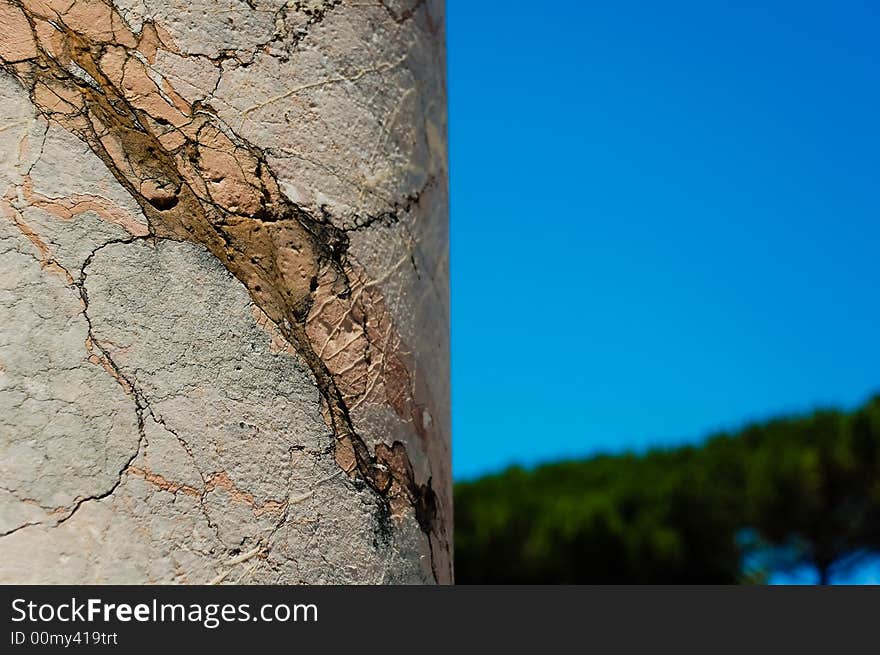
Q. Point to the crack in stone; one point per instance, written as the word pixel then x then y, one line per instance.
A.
pixel 293 36
pixel 391 216
pixel 140 403
pixel 29 524
pixel 48 261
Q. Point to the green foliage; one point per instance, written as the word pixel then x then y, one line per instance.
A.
pixel 806 487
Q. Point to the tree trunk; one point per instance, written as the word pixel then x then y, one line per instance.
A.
pixel 824 569
pixel 223 280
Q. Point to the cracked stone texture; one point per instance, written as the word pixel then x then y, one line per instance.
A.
pixel 223 280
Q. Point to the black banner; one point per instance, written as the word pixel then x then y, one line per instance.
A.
pixel 412 619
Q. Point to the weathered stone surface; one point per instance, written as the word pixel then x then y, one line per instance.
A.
pixel 223 255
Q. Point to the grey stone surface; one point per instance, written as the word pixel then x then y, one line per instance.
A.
pixel 161 419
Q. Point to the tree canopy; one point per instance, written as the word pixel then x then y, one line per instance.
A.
pixel 774 495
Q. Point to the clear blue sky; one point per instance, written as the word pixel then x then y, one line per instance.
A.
pixel 665 220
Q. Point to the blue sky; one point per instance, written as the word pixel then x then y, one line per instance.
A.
pixel 664 220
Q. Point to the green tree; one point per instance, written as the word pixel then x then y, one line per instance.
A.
pixel 785 492
pixel 812 485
